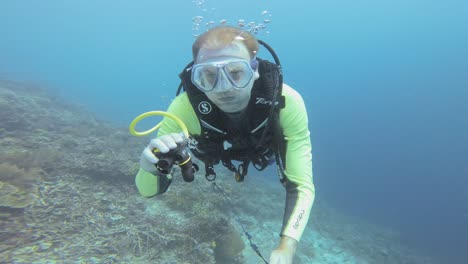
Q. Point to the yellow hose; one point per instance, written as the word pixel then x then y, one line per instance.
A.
pixel 156 127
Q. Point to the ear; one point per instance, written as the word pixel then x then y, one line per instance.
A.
pixel 256 74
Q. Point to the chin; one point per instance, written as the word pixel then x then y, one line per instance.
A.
pixel 231 107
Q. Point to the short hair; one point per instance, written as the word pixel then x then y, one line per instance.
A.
pixel 223 36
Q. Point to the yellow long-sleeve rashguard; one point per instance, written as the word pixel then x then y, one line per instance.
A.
pixel 294 122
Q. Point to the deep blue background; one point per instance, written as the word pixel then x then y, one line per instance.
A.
pixel 385 83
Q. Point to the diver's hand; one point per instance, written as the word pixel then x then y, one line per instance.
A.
pixel 284 253
pixel 164 144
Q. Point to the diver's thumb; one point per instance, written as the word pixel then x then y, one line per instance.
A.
pixel 148 161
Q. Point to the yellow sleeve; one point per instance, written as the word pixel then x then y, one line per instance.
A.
pixel 300 188
pixel 147 183
pixel 181 108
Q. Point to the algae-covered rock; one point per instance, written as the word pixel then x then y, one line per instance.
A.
pixel 14 197
pixel 22 200
pixel 228 245
pixel 7 189
pixel 17 186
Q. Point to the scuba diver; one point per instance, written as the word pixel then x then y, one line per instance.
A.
pixel 237 110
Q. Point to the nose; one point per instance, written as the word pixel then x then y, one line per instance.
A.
pixel 223 83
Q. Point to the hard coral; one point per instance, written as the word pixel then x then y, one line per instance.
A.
pixel 229 244
pixel 22 177
pixel 12 197
pixel 17 186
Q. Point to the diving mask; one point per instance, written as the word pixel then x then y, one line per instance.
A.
pixel 205 76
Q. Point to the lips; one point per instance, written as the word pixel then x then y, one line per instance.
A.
pixel 227 99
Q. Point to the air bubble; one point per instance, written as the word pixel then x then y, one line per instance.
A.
pixel 197 19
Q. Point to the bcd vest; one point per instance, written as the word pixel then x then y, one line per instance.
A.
pixel 255 139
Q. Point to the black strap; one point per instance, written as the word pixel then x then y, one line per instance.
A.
pixel 210 173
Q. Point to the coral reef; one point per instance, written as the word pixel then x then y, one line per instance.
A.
pixel 67 195
pixel 79 220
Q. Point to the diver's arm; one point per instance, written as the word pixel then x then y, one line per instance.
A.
pixel 147 180
pixel 300 188
pixel 147 183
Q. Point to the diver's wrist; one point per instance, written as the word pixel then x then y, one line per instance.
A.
pixel 288 243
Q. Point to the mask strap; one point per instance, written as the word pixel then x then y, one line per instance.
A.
pixel 254 63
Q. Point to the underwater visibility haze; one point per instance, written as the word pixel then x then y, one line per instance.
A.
pixel 386 88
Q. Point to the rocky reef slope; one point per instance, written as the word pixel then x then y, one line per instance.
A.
pixel 67 195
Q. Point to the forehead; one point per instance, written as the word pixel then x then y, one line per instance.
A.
pixel 235 50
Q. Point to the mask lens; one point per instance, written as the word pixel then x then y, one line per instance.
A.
pixel 204 77
pixel 239 73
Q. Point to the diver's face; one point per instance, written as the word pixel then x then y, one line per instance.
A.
pixel 225 95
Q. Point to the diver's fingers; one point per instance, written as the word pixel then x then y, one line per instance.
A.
pixel 178 137
pixel 168 141
pixel 158 143
pixel 148 155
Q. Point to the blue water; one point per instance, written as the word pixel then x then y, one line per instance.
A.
pixel 385 83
